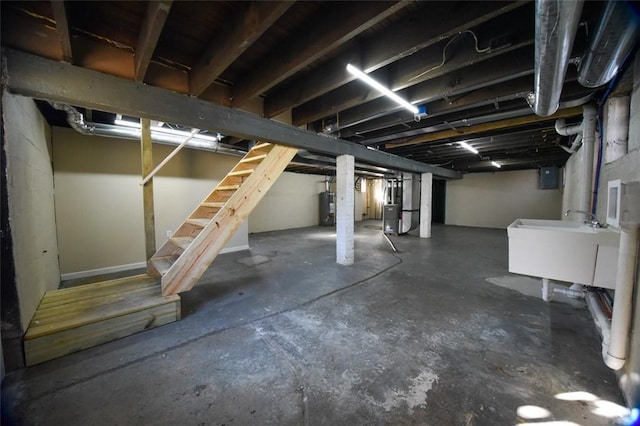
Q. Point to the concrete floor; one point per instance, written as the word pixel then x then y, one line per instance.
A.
pixel 282 335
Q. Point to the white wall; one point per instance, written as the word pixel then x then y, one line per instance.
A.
pixel 292 202
pixel 494 200
pixel 99 200
pixel 31 204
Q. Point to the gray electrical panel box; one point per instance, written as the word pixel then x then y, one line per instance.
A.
pixel 549 178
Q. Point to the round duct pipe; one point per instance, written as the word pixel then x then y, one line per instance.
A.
pixel 615 37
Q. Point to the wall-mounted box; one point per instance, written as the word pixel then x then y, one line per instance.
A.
pixel 549 178
pixel 623 203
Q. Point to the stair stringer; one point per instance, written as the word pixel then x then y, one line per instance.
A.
pixel 195 260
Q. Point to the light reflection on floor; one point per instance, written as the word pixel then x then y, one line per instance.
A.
pixel 532 414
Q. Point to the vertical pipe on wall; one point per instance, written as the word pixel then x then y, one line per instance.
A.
pixel 617 130
pixel 622 303
pixel 588 144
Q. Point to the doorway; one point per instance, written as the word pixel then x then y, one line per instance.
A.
pixel 439 192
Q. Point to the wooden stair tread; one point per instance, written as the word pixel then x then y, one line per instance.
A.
pixel 218 204
pixel 263 145
pixel 163 263
pixel 199 222
pixel 254 158
pixel 227 187
pixel 241 172
pixel 182 242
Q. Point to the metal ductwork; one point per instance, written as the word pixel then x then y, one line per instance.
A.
pixel 77 122
pixel 555 30
pixel 615 37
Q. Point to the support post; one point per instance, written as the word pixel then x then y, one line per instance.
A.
pixel 345 194
pixel 426 190
pixel 147 189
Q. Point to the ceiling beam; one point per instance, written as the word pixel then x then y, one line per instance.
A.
pixel 508 66
pixel 495 125
pixel 40 78
pixel 156 16
pixel 318 38
pixel 418 31
pixel 248 26
pixel 406 74
pixel 62 28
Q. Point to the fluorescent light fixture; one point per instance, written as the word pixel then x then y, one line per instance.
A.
pixel 379 87
pixel 127 123
pixel 468 147
pixel 494 164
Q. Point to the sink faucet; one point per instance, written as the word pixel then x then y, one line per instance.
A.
pixel 593 221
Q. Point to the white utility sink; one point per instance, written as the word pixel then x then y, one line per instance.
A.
pixel 564 250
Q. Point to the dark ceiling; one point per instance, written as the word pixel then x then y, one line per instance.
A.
pixel 469 63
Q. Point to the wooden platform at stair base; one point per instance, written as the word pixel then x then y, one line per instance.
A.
pixel 77 318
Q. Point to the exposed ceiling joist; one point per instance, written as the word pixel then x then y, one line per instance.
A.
pixel 62 28
pixel 248 26
pixel 496 125
pixel 154 21
pixel 319 38
pixel 410 35
pixel 486 73
pixel 41 78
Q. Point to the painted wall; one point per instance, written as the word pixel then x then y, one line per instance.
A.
pixel 98 198
pixel 292 202
pixel 495 200
pixel 31 203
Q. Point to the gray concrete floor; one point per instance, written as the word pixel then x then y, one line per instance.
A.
pixel 282 335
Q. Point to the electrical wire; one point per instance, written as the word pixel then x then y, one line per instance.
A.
pixel 446 46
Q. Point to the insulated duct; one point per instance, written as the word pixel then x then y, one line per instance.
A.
pixel 555 29
pixel 615 37
pixel 77 122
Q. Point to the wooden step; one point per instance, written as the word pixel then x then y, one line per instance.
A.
pixel 77 318
pixel 254 159
pixel 217 204
pixel 182 242
pixel 263 145
pixel 198 222
pixel 241 172
pixel 227 188
pixel 163 263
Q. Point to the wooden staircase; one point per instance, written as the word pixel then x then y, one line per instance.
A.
pixel 185 256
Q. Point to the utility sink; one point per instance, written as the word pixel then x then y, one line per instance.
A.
pixel 564 250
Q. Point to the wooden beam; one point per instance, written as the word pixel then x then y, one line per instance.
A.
pixel 409 35
pixel 485 127
pixel 147 189
pixel 62 28
pixel 40 78
pixel 508 66
pixel 258 16
pixel 318 38
pixel 157 13
pixel 406 74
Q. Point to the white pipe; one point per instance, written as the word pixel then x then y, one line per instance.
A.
pixel 622 302
pixel 601 320
pixel 545 289
pixel 617 130
pixel 564 130
pixel 588 143
pixel 576 294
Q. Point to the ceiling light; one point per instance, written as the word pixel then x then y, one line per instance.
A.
pixel 468 147
pixel 127 123
pixel 494 164
pixel 379 87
